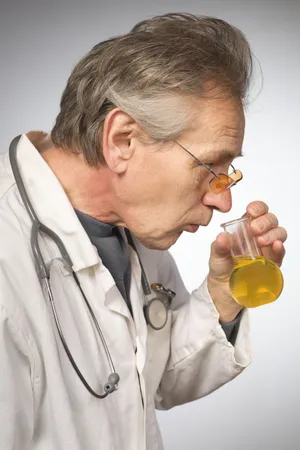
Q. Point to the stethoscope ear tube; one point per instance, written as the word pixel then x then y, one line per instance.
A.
pixel 44 277
pixel 113 378
pixel 19 182
pixel 37 226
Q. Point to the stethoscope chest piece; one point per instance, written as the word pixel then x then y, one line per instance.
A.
pixel 157 309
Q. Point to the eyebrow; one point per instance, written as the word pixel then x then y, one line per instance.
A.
pixel 222 155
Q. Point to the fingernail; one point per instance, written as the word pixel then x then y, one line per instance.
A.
pixel 255 209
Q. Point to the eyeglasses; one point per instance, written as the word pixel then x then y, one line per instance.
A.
pixel 220 181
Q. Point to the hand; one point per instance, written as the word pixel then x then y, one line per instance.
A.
pixel 270 238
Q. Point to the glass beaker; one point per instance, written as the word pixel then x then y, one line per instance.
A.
pixel 255 280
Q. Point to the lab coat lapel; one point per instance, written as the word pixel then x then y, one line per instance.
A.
pixel 114 300
pixel 137 302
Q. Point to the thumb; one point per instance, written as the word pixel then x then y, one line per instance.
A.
pixel 220 248
pixel 221 262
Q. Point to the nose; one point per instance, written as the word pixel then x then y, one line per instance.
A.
pixel 221 202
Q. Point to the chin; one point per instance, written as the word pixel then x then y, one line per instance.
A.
pixel 163 243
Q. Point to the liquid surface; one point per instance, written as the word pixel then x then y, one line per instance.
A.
pixel 255 282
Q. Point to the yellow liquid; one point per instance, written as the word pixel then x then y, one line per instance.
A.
pixel 255 282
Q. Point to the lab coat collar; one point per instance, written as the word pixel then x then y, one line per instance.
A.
pixel 52 205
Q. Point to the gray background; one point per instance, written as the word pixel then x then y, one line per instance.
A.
pixel 40 42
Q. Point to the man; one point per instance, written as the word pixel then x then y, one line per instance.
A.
pixel 148 122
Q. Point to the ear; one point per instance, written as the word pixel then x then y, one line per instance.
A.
pixel 117 133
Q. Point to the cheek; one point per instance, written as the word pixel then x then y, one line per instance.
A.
pixel 157 184
pixel 196 188
pixel 188 189
pixel 188 207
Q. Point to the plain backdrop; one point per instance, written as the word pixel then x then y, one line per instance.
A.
pixel 40 41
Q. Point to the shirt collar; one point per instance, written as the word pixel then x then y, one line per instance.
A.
pixel 94 227
pixel 52 205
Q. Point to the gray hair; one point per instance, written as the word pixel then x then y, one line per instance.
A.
pixel 152 73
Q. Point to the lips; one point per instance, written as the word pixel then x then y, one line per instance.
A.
pixel 192 228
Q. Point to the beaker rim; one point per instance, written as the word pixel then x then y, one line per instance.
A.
pixel 232 222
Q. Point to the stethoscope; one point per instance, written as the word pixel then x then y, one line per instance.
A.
pixel 155 311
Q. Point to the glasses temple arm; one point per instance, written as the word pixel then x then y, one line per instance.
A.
pixel 198 161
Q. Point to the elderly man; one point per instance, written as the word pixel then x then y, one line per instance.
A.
pixel 97 328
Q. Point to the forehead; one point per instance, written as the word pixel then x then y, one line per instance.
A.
pixel 218 127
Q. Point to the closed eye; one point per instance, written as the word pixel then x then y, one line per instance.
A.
pixel 196 163
pixel 211 165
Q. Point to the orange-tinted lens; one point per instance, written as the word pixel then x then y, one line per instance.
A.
pixel 223 181
pixel 236 176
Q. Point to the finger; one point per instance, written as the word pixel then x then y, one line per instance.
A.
pixel 275 252
pixel 279 252
pixel 257 209
pixel 269 238
pixel 264 223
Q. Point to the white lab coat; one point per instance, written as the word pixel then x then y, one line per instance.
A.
pixel 43 404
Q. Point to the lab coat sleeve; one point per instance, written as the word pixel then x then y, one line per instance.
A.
pixel 16 393
pixel 201 359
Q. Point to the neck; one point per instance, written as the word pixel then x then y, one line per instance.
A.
pixel 89 189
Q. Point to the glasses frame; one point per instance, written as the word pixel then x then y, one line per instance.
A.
pixel 211 171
